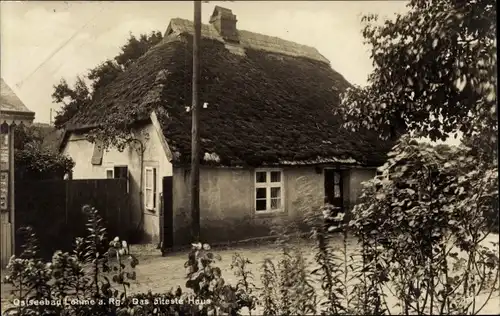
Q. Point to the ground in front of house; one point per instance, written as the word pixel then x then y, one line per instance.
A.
pixel 160 274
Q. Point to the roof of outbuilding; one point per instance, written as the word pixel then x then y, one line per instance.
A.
pixel 9 100
pixel 270 101
pixel 12 109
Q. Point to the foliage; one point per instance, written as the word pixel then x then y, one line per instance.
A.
pixel 73 99
pixel 120 137
pixel 34 162
pixel 71 281
pixel 209 286
pixel 24 135
pixel 270 296
pixel 288 282
pixel 332 274
pixel 76 98
pixel 135 48
pixel 420 218
pixel 94 280
pixel 245 288
pixel 434 75
pixel 352 281
pixel 434 72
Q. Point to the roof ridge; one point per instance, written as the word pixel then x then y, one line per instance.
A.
pixel 209 31
pixel 261 34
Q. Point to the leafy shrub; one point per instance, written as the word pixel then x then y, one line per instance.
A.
pixel 34 162
pixel 421 223
pixel 69 278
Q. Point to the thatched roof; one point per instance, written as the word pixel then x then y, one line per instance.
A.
pixel 269 101
pixel 12 109
pixel 248 40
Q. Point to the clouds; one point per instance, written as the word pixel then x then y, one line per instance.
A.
pixel 33 31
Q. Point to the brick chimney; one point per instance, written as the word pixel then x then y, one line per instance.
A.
pixel 224 22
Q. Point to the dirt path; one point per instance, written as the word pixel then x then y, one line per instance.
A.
pixel 160 274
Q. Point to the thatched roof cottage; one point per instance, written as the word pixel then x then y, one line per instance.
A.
pixel 269 139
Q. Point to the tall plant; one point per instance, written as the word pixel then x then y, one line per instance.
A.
pixel 49 288
pixel 424 219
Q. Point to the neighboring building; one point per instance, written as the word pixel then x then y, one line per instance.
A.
pixel 270 143
pixel 12 112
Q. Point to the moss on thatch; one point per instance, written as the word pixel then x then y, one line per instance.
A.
pixel 263 108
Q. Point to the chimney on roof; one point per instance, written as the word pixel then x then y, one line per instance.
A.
pixel 224 22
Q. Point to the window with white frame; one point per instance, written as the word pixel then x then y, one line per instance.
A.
pixel 268 190
pixel 110 174
pixel 150 188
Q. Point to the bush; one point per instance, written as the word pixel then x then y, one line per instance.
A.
pixel 34 162
pixel 422 223
pixel 56 287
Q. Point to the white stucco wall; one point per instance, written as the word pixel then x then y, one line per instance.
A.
pixel 80 150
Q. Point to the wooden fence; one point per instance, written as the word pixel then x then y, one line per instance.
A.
pixel 54 209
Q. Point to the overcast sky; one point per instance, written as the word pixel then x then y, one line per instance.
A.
pixel 42 42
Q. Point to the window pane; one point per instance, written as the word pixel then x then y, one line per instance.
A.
pixel 261 193
pixel 261 205
pixel 275 176
pixel 149 178
pixel 261 177
pixel 149 197
pixel 275 192
pixel 275 204
pixel 109 174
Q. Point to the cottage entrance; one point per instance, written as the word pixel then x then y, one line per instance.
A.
pixel 334 194
pixel 166 216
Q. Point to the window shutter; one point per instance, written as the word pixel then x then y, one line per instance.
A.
pixel 154 187
pixel 97 155
pixel 147 188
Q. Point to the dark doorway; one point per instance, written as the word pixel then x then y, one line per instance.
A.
pixel 121 172
pixel 334 193
pixel 167 216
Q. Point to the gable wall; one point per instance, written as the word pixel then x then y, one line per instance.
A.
pixel 80 150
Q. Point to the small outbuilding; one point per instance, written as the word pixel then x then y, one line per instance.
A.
pixel 12 112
